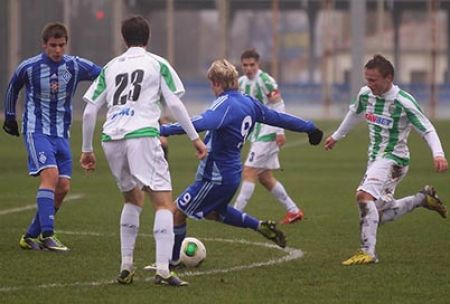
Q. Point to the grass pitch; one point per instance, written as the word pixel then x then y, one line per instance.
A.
pixel 241 266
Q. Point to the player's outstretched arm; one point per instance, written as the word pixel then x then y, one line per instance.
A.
pixel 347 124
pixel 289 122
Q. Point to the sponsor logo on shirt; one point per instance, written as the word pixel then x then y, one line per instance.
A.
pixel 379 120
pixel 123 112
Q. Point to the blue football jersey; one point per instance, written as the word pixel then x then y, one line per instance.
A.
pixel 50 87
pixel 228 122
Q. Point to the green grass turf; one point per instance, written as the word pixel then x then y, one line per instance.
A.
pixel 414 252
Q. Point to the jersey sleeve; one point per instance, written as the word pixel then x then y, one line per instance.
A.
pixel 415 114
pixel 421 123
pixel 350 120
pixel 15 85
pixel 286 121
pixel 178 111
pixel 96 93
pixel 171 78
pixel 359 103
pixel 354 115
pixel 268 84
pixel 88 69
pixel 279 107
pixel 211 119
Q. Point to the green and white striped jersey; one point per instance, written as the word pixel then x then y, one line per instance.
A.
pixel 130 85
pixel 390 118
pixel 260 88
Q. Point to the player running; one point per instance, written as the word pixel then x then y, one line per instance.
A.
pixel 266 140
pixel 390 113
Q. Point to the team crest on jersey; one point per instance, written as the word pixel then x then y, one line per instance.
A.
pixel 379 120
pixel 66 76
pixel 42 157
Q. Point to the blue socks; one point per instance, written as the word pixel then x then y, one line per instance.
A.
pixel 35 227
pixel 180 235
pixel 232 217
pixel 46 211
pixel 240 219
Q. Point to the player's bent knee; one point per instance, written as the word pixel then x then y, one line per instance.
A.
pixel 363 197
pixel 268 181
pixel 213 216
pixel 250 174
pixel 63 187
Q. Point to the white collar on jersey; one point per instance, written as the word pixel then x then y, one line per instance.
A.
pixel 392 93
pixel 136 50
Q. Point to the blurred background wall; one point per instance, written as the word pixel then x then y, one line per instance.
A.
pixel 316 49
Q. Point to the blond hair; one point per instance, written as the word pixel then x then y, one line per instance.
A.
pixel 224 73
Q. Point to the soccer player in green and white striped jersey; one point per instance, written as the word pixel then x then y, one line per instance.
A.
pixel 266 140
pixel 390 113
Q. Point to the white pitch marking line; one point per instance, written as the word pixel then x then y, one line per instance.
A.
pixel 292 254
pixel 70 197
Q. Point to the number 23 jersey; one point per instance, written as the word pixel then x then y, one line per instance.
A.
pixel 130 85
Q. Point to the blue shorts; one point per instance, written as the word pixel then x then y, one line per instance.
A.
pixel 46 151
pixel 202 197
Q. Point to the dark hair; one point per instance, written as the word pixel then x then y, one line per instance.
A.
pixel 54 30
pixel 380 63
pixel 250 53
pixel 136 31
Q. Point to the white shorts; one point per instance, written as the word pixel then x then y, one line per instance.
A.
pixel 138 162
pixel 381 178
pixel 263 155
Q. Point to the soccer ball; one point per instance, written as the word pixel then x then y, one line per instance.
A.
pixel 193 252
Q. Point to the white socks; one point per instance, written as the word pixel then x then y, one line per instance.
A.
pixel 245 194
pixel 129 228
pixel 280 193
pixel 370 217
pixel 401 206
pixel 369 225
pixel 164 238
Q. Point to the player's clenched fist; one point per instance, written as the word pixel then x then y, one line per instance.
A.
pixel 87 161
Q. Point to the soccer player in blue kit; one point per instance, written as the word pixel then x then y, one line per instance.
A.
pixel 50 80
pixel 228 121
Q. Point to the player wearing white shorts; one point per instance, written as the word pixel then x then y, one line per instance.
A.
pixel 266 140
pixel 131 86
pixel 390 113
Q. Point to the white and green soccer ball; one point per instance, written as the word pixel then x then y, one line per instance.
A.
pixel 193 252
